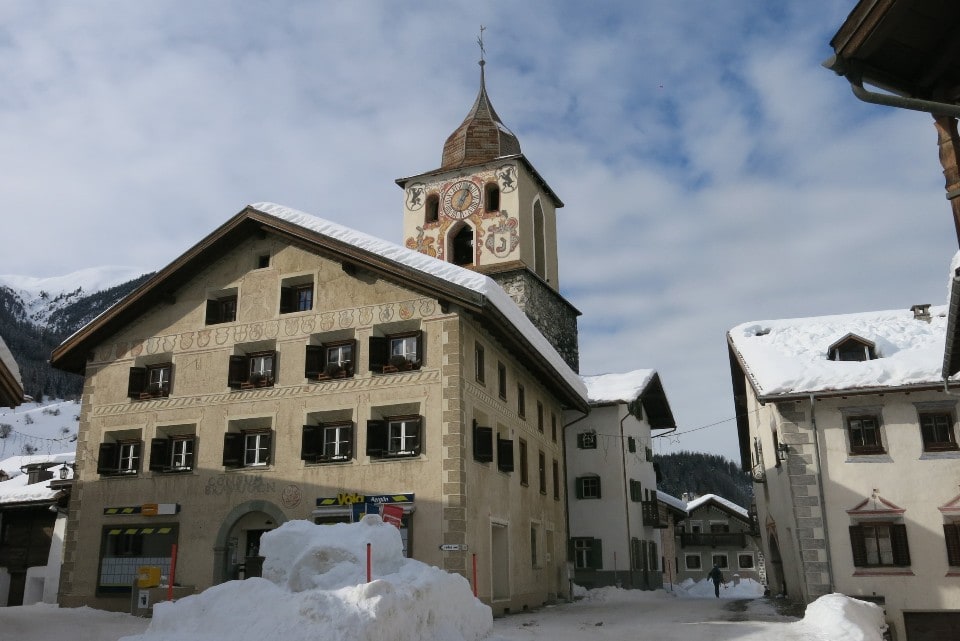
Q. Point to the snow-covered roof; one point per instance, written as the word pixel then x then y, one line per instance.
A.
pixel 16 489
pixel 7 360
pixel 623 387
pixel 671 500
pixel 784 357
pixel 449 272
pixel 713 498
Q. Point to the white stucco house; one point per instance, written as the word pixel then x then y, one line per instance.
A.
pixel 615 520
pixel 848 426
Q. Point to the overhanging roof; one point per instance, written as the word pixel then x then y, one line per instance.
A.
pixel 908 47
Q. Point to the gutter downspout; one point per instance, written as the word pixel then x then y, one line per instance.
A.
pixel 626 500
pixel 566 500
pixel 823 502
pixel 842 68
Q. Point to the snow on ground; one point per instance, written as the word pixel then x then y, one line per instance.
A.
pixel 314 587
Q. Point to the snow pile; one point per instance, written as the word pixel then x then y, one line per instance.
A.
pixel 841 618
pixel 745 589
pixel 314 587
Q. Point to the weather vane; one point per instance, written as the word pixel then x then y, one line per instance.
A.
pixel 480 42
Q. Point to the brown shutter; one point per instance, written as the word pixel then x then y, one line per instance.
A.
pixel 275 370
pixel 349 451
pixel 504 454
pixel 858 545
pixel 596 554
pixel 314 361
pixel 419 438
pixel 213 312
pixel 108 459
pixel 420 350
pixel 288 300
pixel 901 550
pixel 137 381
pixel 159 454
pixel 482 443
pixel 267 440
pixel 951 535
pixel 377 438
pixel 379 353
pixel 233 449
pixel 310 443
pixel 239 371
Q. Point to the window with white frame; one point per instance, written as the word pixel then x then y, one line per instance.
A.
pixel 720 560
pixel 174 449
pixel 327 442
pixel 253 368
pixel 150 381
pixel 745 561
pixel 692 561
pixel 587 553
pixel 879 544
pixel 394 437
pixel 588 487
pixel 248 443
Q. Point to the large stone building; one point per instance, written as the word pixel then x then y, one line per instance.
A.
pixel 286 368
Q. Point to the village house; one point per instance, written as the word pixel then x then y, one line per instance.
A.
pixel 615 519
pixel 286 367
pixel 11 385
pixel 848 428
pixel 715 531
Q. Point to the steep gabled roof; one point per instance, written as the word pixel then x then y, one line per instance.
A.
pixel 725 505
pixel 475 293
pixel 639 389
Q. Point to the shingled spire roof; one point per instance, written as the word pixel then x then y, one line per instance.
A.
pixel 481 137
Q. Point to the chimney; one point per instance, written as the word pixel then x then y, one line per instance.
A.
pixel 921 312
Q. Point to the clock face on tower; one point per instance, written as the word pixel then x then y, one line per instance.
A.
pixel 461 199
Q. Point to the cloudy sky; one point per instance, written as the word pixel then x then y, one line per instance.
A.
pixel 713 172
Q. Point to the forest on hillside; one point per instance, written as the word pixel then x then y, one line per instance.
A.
pixel 699 473
pixel 32 344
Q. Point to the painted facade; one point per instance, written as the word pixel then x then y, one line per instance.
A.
pixel 716 532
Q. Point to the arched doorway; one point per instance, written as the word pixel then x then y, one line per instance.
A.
pixel 775 580
pixel 236 554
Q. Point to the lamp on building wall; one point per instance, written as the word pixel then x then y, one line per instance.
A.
pixel 782 450
pixel 63 472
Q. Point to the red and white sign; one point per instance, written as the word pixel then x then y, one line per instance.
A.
pixel 392 514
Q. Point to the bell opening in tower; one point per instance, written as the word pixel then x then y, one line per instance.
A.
pixel 462 246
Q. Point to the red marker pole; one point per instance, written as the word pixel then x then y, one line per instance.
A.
pixel 173 571
pixel 474 575
pixel 369 569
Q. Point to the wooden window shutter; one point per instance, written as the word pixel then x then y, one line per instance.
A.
pixel 239 371
pixel 580 488
pixel 377 438
pixel 631 444
pixel 288 300
pixel 310 442
pixel 275 356
pixel 858 545
pixel 420 339
pixel 315 361
pixel 108 459
pixel 379 353
pixel 596 554
pixel 571 550
pixel 951 535
pixel 418 438
pixel 482 443
pixel 137 381
pixel 169 386
pixel 213 312
pixel 348 451
pixel 159 454
pixel 267 441
pixel 504 454
pixel 233 449
pixel 901 549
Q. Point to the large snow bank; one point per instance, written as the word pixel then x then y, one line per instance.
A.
pixel 314 587
pixel 841 618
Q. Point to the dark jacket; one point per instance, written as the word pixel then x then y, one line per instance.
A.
pixel 715 575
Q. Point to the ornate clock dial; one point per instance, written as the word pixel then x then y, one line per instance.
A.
pixel 461 199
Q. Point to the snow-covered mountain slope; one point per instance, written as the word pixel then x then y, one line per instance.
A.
pixel 39 298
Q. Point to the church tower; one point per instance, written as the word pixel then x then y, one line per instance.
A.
pixel 486 208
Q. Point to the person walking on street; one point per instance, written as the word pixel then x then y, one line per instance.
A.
pixel 717 577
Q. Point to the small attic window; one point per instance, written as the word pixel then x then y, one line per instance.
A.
pixel 852 348
pixel 432 209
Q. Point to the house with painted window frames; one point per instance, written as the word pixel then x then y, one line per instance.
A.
pixel 616 521
pixel 847 425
